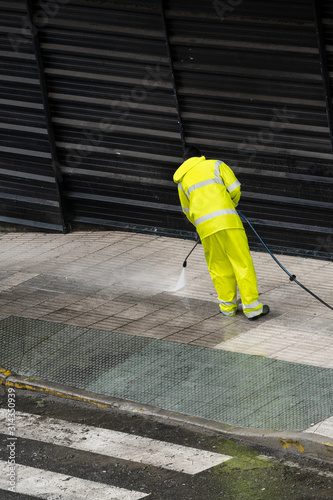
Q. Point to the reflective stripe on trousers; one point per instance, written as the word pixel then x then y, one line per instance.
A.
pixel 251 310
pixel 228 308
pixel 230 263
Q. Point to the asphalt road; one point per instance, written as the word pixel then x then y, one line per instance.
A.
pixel 63 449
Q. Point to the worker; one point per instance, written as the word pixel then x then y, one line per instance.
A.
pixel 209 193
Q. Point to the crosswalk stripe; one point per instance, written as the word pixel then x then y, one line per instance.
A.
pixel 54 486
pixel 114 443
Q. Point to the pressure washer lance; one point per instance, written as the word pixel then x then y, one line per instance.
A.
pixel 185 261
pixel 292 277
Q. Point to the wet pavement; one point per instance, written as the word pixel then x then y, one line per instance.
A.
pixel 96 311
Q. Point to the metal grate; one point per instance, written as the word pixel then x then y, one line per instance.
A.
pixel 231 388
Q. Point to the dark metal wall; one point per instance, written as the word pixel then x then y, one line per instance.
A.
pixel 29 191
pixel 93 130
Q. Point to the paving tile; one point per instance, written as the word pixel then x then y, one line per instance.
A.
pixel 87 319
pixel 161 331
pixel 34 312
pixel 111 324
pixel 61 315
pixel 87 303
pixel 137 311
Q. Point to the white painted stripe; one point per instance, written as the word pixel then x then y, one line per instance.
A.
pixel 53 486
pixel 113 443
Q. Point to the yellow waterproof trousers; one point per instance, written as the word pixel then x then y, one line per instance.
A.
pixel 230 263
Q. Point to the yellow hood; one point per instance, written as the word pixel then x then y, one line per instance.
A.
pixel 186 166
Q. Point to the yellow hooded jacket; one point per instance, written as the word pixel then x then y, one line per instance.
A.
pixel 209 193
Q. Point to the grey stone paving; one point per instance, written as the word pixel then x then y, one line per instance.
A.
pixel 67 300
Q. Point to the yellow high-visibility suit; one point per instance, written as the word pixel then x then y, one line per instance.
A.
pixel 209 193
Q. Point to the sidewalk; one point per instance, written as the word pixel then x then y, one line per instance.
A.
pixel 92 315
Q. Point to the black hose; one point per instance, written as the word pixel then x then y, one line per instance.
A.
pixel 292 277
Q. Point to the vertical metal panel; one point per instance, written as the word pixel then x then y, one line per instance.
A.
pixel 31 13
pixel 28 190
pixel 172 75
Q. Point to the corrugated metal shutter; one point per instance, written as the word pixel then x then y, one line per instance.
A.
pixel 249 88
pixel 28 190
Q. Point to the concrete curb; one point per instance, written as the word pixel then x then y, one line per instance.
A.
pixel 300 443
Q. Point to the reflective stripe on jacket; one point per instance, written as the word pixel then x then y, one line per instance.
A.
pixel 209 193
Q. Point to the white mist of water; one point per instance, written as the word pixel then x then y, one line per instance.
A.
pixel 181 282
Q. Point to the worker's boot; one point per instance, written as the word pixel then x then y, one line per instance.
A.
pixel 265 310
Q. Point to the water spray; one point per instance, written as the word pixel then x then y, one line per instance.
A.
pixel 182 278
